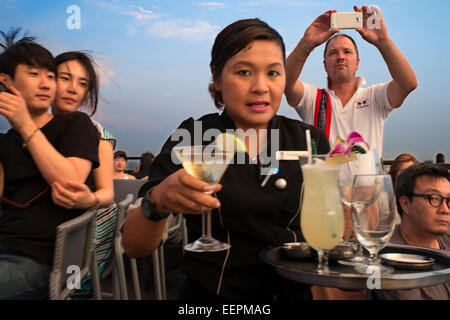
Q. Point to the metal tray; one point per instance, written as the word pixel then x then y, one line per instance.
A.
pixel 344 277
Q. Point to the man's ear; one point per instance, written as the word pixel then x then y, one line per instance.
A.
pixel 6 79
pixel 404 202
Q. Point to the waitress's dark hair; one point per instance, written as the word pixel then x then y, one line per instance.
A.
pixel 87 62
pixel 233 39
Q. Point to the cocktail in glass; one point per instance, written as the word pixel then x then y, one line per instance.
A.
pixel 322 218
pixel 208 164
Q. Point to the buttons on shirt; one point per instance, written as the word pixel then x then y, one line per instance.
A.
pixel 280 183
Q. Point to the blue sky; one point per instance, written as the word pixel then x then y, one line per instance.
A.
pixel 154 57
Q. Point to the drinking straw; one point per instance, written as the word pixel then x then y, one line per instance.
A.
pixel 314 146
pixel 308 146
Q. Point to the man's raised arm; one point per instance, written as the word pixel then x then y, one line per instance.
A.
pixel 374 31
pixel 316 34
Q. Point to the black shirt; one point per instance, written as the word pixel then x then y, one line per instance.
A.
pixel 251 217
pixel 31 231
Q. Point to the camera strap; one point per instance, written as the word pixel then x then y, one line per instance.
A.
pixel 322 114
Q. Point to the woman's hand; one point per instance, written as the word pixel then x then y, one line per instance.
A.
pixel 74 196
pixel 183 193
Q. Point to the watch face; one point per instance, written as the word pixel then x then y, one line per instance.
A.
pixel 146 207
pixel 148 210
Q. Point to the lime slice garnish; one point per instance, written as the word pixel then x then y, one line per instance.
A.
pixel 230 142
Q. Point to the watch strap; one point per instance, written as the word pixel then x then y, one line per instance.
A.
pixel 148 208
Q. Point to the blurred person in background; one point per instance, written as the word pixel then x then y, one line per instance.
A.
pixel 144 166
pixel 120 164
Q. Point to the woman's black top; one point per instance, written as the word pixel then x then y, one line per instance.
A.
pixel 251 217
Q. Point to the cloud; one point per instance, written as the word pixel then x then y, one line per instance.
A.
pixel 142 14
pixel 252 3
pixel 211 5
pixel 183 29
pixel 153 24
pixel 284 3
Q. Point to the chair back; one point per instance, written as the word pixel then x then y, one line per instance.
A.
pixel 74 249
pixel 123 187
pixel 116 264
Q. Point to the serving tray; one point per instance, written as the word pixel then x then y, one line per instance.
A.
pixel 345 277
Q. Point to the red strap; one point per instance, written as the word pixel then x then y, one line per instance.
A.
pixel 317 108
pixel 322 112
pixel 18 205
pixel 328 123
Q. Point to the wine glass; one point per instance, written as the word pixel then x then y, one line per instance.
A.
pixel 322 219
pixel 207 164
pixel 373 212
pixel 368 163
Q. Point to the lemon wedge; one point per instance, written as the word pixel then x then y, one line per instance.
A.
pixel 338 159
pixel 230 142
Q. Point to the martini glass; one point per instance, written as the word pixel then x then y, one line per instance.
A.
pixel 207 164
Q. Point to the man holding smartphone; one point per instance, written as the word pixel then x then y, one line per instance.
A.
pixel 344 106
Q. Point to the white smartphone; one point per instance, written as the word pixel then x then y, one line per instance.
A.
pixel 346 20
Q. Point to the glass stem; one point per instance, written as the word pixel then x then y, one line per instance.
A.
pixel 359 253
pixel 323 260
pixel 360 250
pixel 206 222
pixel 374 258
pixel 320 259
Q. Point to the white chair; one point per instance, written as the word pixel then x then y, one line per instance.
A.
pixel 123 188
pixel 116 265
pixel 74 252
pixel 159 269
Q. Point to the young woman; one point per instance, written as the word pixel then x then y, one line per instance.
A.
pixel 77 87
pixel 248 72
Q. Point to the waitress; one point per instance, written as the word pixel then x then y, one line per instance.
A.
pixel 248 81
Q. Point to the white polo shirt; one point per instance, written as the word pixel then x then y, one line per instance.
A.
pixel 364 113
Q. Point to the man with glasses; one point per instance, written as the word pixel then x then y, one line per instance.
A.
pixel 423 201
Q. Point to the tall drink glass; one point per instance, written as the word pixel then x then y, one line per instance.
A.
pixel 322 218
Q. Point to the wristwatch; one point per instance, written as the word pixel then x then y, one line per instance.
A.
pixel 148 209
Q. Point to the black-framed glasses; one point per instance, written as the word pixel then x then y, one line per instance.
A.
pixel 435 200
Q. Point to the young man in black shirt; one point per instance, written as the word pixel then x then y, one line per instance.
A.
pixel 38 150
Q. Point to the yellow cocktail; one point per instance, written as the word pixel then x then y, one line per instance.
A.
pixel 322 218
